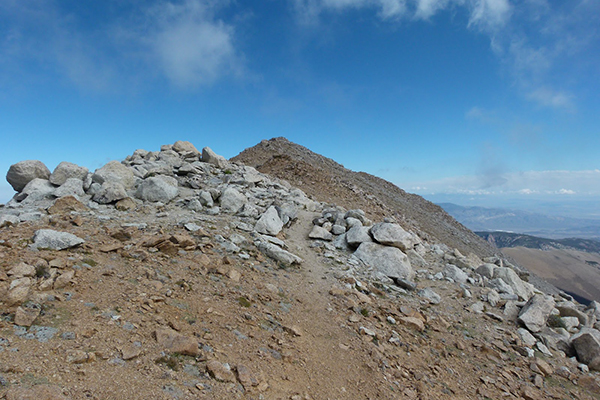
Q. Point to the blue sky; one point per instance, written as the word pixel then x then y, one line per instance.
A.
pixel 486 102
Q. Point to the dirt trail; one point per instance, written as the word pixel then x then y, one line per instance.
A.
pixel 327 344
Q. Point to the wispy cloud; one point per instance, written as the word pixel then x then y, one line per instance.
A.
pixel 540 43
pixel 182 41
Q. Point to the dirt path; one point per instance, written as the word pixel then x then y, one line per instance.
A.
pixel 327 345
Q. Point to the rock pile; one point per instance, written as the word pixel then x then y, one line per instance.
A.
pixel 192 250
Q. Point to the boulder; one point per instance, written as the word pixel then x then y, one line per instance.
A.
pixel 232 201
pixel 587 347
pixel 522 289
pixel 206 199
pixel 269 223
pixel 110 192
pixel 115 172
pixel 486 270
pixel 23 172
pixel 66 170
pixel 392 235
pixel 157 189
pixel 319 232
pixel 389 261
pixel 38 189
pixel 357 235
pixel 54 240
pixel 455 273
pixel 71 187
pixel 183 147
pixel 209 156
pixel 536 311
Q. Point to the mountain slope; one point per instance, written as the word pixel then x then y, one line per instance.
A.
pixel 326 180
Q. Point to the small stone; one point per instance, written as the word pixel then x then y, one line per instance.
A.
pixel 130 351
pixel 245 377
pixel 175 342
pixel 220 371
pixel 414 323
pixel 25 316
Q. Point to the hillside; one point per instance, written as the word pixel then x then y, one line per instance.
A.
pixel 175 274
pixel 325 180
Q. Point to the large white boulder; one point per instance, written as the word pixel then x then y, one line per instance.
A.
pixel 390 261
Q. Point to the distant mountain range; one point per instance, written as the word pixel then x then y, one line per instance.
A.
pixel 501 219
pixel 508 239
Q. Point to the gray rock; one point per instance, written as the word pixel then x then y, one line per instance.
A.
pixel 357 235
pixel 269 223
pixel 352 222
pixel 71 187
pixel 429 295
pixel 455 273
pixel 500 286
pixel 54 240
pixel 318 232
pixel 390 261
pixel 587 346
pixel 536 311
pixel 66 170
pixel 338 229
pixel 183 147
pixel 8 220
pixel 278 254
pixel 110 192
pixel 206 199
pixel 209 156
pixel 157 189
pixel 392 235
pixel 115 172
pixel 570 323
pixel 522 289
pixel 23 172
pixel 232 201
pixel 493 298
pixel 486 270
pixel 38 189
pixel 569 310
pixel 526 337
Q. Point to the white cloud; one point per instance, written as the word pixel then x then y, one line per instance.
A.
pixel 180 40
pixel 549 98
pixel 566 191
pixel 489 15
pixel 526 183
pixel 192 47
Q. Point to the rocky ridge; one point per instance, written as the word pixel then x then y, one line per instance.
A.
pixel 179 274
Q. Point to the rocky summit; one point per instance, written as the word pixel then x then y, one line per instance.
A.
pixel 279 274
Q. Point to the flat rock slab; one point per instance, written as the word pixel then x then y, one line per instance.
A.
pixel 392 235
pixel 390 261
pixel 54 240
pixel 536 311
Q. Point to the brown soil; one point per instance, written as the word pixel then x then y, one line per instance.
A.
pixel 297 331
